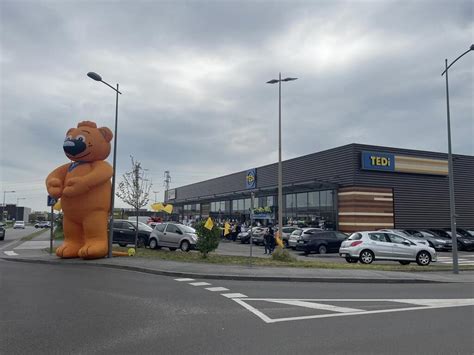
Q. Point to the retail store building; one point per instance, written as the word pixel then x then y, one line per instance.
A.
pixel 352 187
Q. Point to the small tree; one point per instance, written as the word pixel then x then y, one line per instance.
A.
pixel 208 240
pixel 134 190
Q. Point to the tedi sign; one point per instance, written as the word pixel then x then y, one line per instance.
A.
pixel 378 161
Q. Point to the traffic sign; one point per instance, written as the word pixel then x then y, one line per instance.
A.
pixel 51 201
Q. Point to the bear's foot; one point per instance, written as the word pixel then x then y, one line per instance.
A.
pixel 93 250
pixel 68 250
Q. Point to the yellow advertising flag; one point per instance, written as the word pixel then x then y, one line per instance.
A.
pixel 57 206
pixel 209 223
pixel 278 239
pixel 168 209
pixel 226 228
pixel 157 207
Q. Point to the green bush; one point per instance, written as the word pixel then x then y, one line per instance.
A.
pixel 281 254
pixel 208 240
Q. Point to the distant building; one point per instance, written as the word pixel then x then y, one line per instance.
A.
pixel 17 213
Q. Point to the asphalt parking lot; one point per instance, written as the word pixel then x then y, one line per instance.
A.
pixel 227 247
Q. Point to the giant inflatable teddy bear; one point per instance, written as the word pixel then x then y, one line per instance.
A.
pixel 84 188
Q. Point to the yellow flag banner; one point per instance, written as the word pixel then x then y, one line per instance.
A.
pixel 278 239
pixel 168 209
pixel 157 207
pixel 209 223
pixel 226 228
pixel 57 206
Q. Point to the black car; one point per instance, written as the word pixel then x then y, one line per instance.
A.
pixel 462 242
pixel 2 231
pixel 320 241
pixel 124 233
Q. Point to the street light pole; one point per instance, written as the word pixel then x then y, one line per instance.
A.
pixel 3 206
pixel 280 170
pixel 452 204
pixel 97 77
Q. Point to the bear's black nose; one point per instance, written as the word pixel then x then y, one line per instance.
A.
pixel 74 147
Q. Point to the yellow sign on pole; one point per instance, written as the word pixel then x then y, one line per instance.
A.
pixel 209 223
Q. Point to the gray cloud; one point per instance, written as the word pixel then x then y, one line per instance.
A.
pixel 193 75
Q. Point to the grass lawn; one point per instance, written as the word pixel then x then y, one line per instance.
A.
pixel 195 257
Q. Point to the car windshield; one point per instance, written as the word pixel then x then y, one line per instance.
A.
pixel 187 229
pixel 297 232
pixel 142 226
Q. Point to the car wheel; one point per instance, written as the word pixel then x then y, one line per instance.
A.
pixel 153 244
pixel 123 245
pixel 172 249
pixel 460 246
pixel 322 249
pixel 141 242
pixel 351 260
pixel 366 257
pixel 404 262
pixel 423 258
pixel 184 246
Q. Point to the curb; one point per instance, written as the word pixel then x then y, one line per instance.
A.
pixel 229 277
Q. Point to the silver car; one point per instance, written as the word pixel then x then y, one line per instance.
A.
pixel 406 235
pixel 376 245
pixel 297 234
pixel 173 236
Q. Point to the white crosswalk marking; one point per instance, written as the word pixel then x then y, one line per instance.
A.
pixel 233 295
pixel 200 283
pixel 185 279
pixel 215 289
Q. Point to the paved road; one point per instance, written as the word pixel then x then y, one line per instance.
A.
pixel 58 309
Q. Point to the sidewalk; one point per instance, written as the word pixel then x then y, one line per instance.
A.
pixel 254 273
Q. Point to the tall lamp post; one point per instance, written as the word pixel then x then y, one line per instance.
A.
pixel 3 206
pixel 16 207
pixel 97 77
pixel 280 183
pixel 452 206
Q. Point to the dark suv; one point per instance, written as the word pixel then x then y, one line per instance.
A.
pixel 124 233
pixel 2 231
pixel 320 241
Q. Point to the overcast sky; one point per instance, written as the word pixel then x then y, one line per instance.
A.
pixel 193 76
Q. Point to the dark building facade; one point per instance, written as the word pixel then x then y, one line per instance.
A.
pixel 352 187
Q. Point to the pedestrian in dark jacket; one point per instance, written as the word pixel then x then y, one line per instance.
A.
pixel 269 240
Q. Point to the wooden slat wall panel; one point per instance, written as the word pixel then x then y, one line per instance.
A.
pixel 365 208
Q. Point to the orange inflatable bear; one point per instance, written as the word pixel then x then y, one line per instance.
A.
pixel 84 188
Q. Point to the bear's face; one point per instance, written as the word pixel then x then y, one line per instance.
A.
pixel 87 142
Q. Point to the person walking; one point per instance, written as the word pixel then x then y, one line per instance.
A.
pixel 268 240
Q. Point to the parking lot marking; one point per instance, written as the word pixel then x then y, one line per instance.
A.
pixel 313 305
pixel 418 304
pixel 214 289
pixel 200 283
pixel 185 279
pixel 10 253
pixel 233 295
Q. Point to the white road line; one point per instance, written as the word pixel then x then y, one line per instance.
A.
pixel 214 289
pixel 10 253
pixel 233 295
pixel 7 245
pixel 200 283
pixel 421 304
pixel 180 280
pixel 326 307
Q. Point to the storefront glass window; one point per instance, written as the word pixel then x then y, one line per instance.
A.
pixel 240 205
pixel 247 204
pixel 313 199
pixel 302 200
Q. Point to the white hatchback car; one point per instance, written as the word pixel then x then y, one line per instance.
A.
pixel 376 245
pixel 19 224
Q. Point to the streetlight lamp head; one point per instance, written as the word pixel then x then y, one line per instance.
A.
pixel 273 81
pixel 94 76
pixel 288 79
pixel 472 47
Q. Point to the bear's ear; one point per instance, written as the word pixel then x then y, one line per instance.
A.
pixel 69 131
pixel 107 133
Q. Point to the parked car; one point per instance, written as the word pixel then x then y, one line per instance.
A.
pixel 374 245
pixel 43 224
pixel 463 242
pixel 257 236
pixel 465 232
pixel 19 225
pixel 294 237
pixel 2 231
pixel 434 241
pixel 173 236
pixel 320 241
pixel 124 233
pixel 413 238
pixel 285 234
